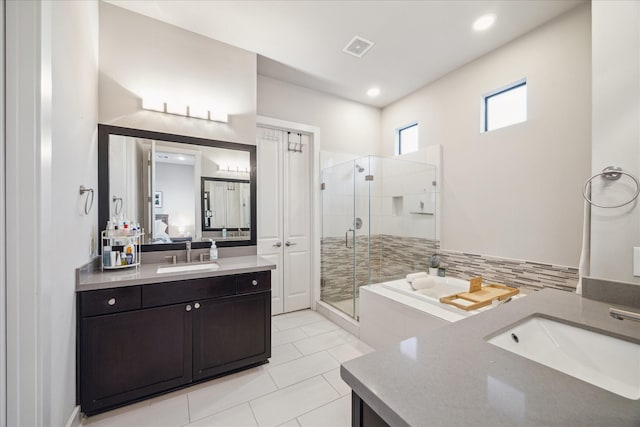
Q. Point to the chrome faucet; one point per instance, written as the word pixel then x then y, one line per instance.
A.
pixel 188 247
pixel 616 313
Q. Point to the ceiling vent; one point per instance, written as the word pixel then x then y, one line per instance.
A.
pixel 358 46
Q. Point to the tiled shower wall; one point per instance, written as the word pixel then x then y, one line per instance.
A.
pixel 393 257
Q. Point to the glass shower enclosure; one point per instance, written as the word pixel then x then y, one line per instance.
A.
pixel 378 224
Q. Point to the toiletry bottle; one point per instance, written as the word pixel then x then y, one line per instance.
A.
pixel 224 233
pixel 213 251
pixel 106 256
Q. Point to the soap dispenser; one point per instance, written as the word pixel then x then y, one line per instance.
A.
pixel 213 251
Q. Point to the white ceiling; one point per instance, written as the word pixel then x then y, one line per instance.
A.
pixel 416 42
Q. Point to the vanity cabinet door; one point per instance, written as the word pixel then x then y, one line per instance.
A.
pixel 128 356
pixel 231 333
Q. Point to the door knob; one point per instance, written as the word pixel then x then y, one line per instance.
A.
pixel 277 245
pixel 290 244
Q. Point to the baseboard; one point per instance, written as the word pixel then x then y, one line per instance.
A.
pixel 75 419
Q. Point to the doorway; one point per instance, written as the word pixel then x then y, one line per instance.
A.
pixel 285 215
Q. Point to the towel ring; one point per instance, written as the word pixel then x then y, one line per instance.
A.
pixel 115 201
pixel 612 173
pixel 87 205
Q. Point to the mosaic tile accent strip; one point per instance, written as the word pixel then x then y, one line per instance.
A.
pixel 509 272
pixel 392 257
pixel 389 258
pixel 338 264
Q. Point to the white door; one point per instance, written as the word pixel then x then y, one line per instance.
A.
pixel 284 216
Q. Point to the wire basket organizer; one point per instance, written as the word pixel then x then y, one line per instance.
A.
pixel 120 251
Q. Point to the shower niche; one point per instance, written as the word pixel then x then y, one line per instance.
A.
pixel 396 205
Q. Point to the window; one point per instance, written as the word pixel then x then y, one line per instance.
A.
pixel 407 139
pixel 505 107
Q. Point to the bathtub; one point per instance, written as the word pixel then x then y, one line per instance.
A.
pixel 392 311
pixel 444 286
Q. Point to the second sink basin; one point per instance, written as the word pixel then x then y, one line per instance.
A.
pixel 604 361
pixel 189 267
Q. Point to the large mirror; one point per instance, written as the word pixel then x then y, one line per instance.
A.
pixel 177 188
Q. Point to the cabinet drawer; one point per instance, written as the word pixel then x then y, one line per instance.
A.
pixel 106 301
pixel 254 282
pixel 187 290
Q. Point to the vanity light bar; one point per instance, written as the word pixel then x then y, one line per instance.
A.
pixel 185 110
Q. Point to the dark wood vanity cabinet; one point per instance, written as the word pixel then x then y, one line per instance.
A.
pixel 135 342
pixel 129 355
pixel 229 333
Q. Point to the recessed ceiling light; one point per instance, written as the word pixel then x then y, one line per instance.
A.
pixel 374 91
pixel 484 22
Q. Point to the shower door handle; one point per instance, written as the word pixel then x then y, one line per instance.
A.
pixel 346 238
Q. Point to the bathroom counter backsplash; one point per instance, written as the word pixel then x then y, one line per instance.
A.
pixel 510 272
pixel 89 277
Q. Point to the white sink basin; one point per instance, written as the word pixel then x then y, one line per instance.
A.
pixel 606 362
pixel 190 267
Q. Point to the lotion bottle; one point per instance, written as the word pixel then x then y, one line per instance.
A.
pixel 213 251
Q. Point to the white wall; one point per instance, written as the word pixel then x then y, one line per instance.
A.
pixel 51 150
pixel 616 136
pixel 3 283
pixel 345 126
pixel 513 192
pixel 74 160
pixel 141 57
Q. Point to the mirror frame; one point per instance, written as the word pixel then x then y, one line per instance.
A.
pixel 103 181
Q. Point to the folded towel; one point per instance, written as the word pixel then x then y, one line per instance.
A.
pixel 413 276
pixel 424 282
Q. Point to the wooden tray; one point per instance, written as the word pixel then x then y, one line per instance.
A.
pixel 479 296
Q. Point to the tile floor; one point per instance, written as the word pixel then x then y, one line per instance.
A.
pixel 346 306
pixel 300 387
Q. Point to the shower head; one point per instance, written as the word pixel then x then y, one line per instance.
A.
pixel 360 168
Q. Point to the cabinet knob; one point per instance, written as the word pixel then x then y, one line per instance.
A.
pixel 188 307
pixel 196 305
pixel 290 244
pixel 277 245
pixel 254 282
pixel 112 301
